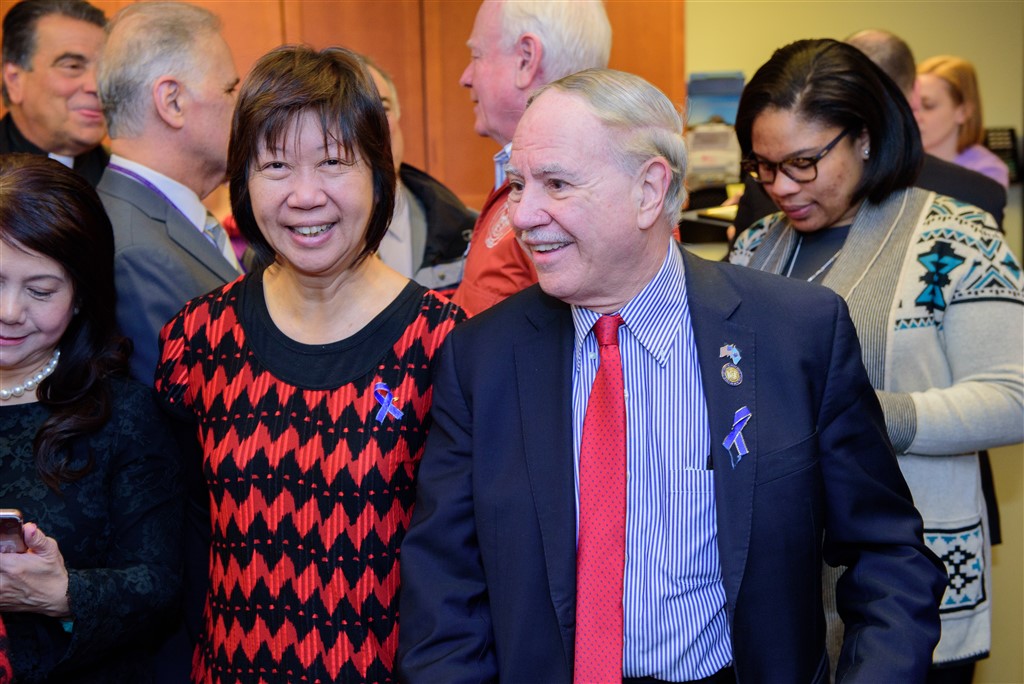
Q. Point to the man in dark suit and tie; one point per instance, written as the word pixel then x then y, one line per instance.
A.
pixel 168 83
pixel 50 49
pixel 637 468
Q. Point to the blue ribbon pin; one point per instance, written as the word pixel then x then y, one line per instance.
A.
pixel 739 421
pixel 382 393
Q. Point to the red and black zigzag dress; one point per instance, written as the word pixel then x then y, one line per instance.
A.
pixel 310 453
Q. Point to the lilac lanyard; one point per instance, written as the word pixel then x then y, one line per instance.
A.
pixel 139 178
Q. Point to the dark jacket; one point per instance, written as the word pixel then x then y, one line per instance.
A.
pixel 89 164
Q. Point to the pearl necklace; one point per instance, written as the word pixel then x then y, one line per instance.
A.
pixel 33 382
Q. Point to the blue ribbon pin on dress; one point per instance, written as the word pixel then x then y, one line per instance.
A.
pixel 382 393
pixel 735 437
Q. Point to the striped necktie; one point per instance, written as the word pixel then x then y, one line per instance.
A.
pixel 219 237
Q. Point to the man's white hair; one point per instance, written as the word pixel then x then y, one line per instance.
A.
pixel 145 41
pixel 575 34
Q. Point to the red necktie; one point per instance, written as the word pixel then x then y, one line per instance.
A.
pixel 601 549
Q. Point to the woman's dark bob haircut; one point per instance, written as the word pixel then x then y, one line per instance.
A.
pixel 828 82
pixel 333 84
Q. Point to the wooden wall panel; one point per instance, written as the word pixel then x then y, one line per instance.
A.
pixel 455 153
pixel 250 28
pixel 648 40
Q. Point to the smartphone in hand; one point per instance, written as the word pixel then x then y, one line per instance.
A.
pixel 12 537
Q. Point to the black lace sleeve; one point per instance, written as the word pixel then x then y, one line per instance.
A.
pixel 132 592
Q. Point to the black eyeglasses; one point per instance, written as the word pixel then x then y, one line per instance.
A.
pixel 800 169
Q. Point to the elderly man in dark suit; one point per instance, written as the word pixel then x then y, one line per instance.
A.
pixel 637 468
pixel 168 84
pixel 50 48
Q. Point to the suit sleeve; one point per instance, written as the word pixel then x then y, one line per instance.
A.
pixel 446 633
pixel 888 597
pixel 150 290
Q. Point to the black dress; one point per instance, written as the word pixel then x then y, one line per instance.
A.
pixel 118 529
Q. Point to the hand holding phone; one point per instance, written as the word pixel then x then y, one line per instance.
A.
pixel 35 580
pixel 12 536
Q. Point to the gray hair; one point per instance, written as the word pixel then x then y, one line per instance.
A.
pixel 575 35
pixel 20 22
pixel 647 122
pixel 145 41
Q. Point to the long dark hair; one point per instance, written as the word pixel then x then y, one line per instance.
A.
pixel 47 208
pixel 835 83
pixel 332 83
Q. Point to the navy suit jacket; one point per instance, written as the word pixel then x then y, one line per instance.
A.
pixel 161 261
pixel 488 566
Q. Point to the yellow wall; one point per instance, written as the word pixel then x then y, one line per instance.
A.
pixel 741 35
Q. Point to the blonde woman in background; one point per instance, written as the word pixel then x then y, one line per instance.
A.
pixel 950 116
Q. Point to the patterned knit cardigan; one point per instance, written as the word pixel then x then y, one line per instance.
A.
pixel 937 300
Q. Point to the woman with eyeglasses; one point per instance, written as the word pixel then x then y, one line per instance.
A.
pixel 932 287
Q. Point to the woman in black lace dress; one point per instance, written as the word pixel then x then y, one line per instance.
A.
pixel 83 451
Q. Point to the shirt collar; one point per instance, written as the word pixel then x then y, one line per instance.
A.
pixel 184 199
pixel 654 315
pixel 63 159
pixel 500 159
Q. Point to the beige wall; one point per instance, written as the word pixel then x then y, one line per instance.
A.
pixel 990 33
pixel 741 35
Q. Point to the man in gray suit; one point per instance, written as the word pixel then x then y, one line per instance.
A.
pixel 167 81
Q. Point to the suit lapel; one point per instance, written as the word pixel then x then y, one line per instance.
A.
pixel 179 229
pixel 543 358
pixel 713 302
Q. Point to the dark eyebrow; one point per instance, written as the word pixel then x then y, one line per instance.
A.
pixel 46 276
pixel 70 55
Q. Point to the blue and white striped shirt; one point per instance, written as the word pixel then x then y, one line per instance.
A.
pixel 676 628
